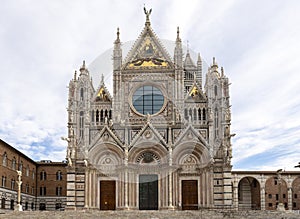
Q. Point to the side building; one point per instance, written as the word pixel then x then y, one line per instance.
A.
pixel 43 183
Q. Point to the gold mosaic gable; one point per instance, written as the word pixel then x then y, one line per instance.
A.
pixel 147 53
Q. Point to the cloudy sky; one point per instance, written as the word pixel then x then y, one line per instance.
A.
pixel 43 42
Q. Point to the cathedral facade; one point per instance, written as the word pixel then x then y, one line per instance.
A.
pixel 161 140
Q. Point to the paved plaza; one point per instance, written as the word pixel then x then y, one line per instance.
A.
pixel 201 214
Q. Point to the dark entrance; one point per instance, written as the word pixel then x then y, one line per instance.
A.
pixel 189 195
pixel 3 203
pixel 148 192
pixel 108 195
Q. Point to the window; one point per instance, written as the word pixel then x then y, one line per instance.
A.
pixel 4 159
pixel 43 175
pixel 270 204
pixel 12 184
pixel 13 163
pixel 3 181
pixel 148 100
pixel 42 191
pixel 58 191
pixel 81 94
pixel 27 170
pixel 81 124
pixel 295 195
pixel 32 190
pixel 27 188
pixel 283 195
pixel 294 205
pixel 270 196
pixel 275 182
pixel 277 197
pixel 58 175
pixel 216 90
pixel 21 166
pixel 33 174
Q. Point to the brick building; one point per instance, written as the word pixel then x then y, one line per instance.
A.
pixel 43 183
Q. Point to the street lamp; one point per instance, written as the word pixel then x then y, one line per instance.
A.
pixel 280 206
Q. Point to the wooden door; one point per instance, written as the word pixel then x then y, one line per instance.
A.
pixel 189 195
pixel 107 195
pixel 148 192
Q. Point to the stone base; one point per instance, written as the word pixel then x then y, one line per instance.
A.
pixel 280 207
pixel 19 208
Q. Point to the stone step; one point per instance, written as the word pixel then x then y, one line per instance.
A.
pixel 201 214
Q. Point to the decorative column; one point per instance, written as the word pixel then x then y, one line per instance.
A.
pixel 290 204
pixel 262 193
pixel 235 193
pixel 19 182
pixel 280 206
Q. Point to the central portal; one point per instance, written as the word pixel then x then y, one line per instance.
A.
pixel 148 192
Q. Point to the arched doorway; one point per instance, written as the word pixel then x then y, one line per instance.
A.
pixel 276 192
pixel 3 203
pixel 249 194
pixel 296 194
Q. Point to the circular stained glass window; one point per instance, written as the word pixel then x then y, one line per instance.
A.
pixel 148 100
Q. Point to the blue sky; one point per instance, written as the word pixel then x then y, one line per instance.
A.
pixel 42 43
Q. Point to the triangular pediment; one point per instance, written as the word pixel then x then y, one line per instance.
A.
pixel 147 53
pixel 106 136
pixel 195 94
pixel 102 94
pixel 148 134
pixel 191 134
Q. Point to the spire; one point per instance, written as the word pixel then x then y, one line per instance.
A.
pixel 147 13
pixel 75 75
pixel 102 79
pixel 118 36
pixel 178 37
pixel 83 66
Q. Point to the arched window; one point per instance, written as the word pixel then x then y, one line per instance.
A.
pixel 21 166
pixel 216 123
pixel 190 113
pixel 81 125
pixel 97 116
pixel 43 175
pixel 12 184
pixel 81 94
pixel 203 114
pixel 109 114
pixel 4 159
pixel 195 114
pixel 33 174
pixel 216 90
pixel 13 163
pixel 27 188
pixel 3 181
pixel 59 191
pixel 199 114
pixel 27 170
pixel 101 116
pixel 59 175
pixel 186 116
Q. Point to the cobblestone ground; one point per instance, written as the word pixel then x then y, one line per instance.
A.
pixel 201 214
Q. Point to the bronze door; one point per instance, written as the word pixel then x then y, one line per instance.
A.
pixel 148 192
pixel 107 195
pixel 189 195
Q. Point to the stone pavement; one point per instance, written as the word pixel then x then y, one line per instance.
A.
pixel 201 214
